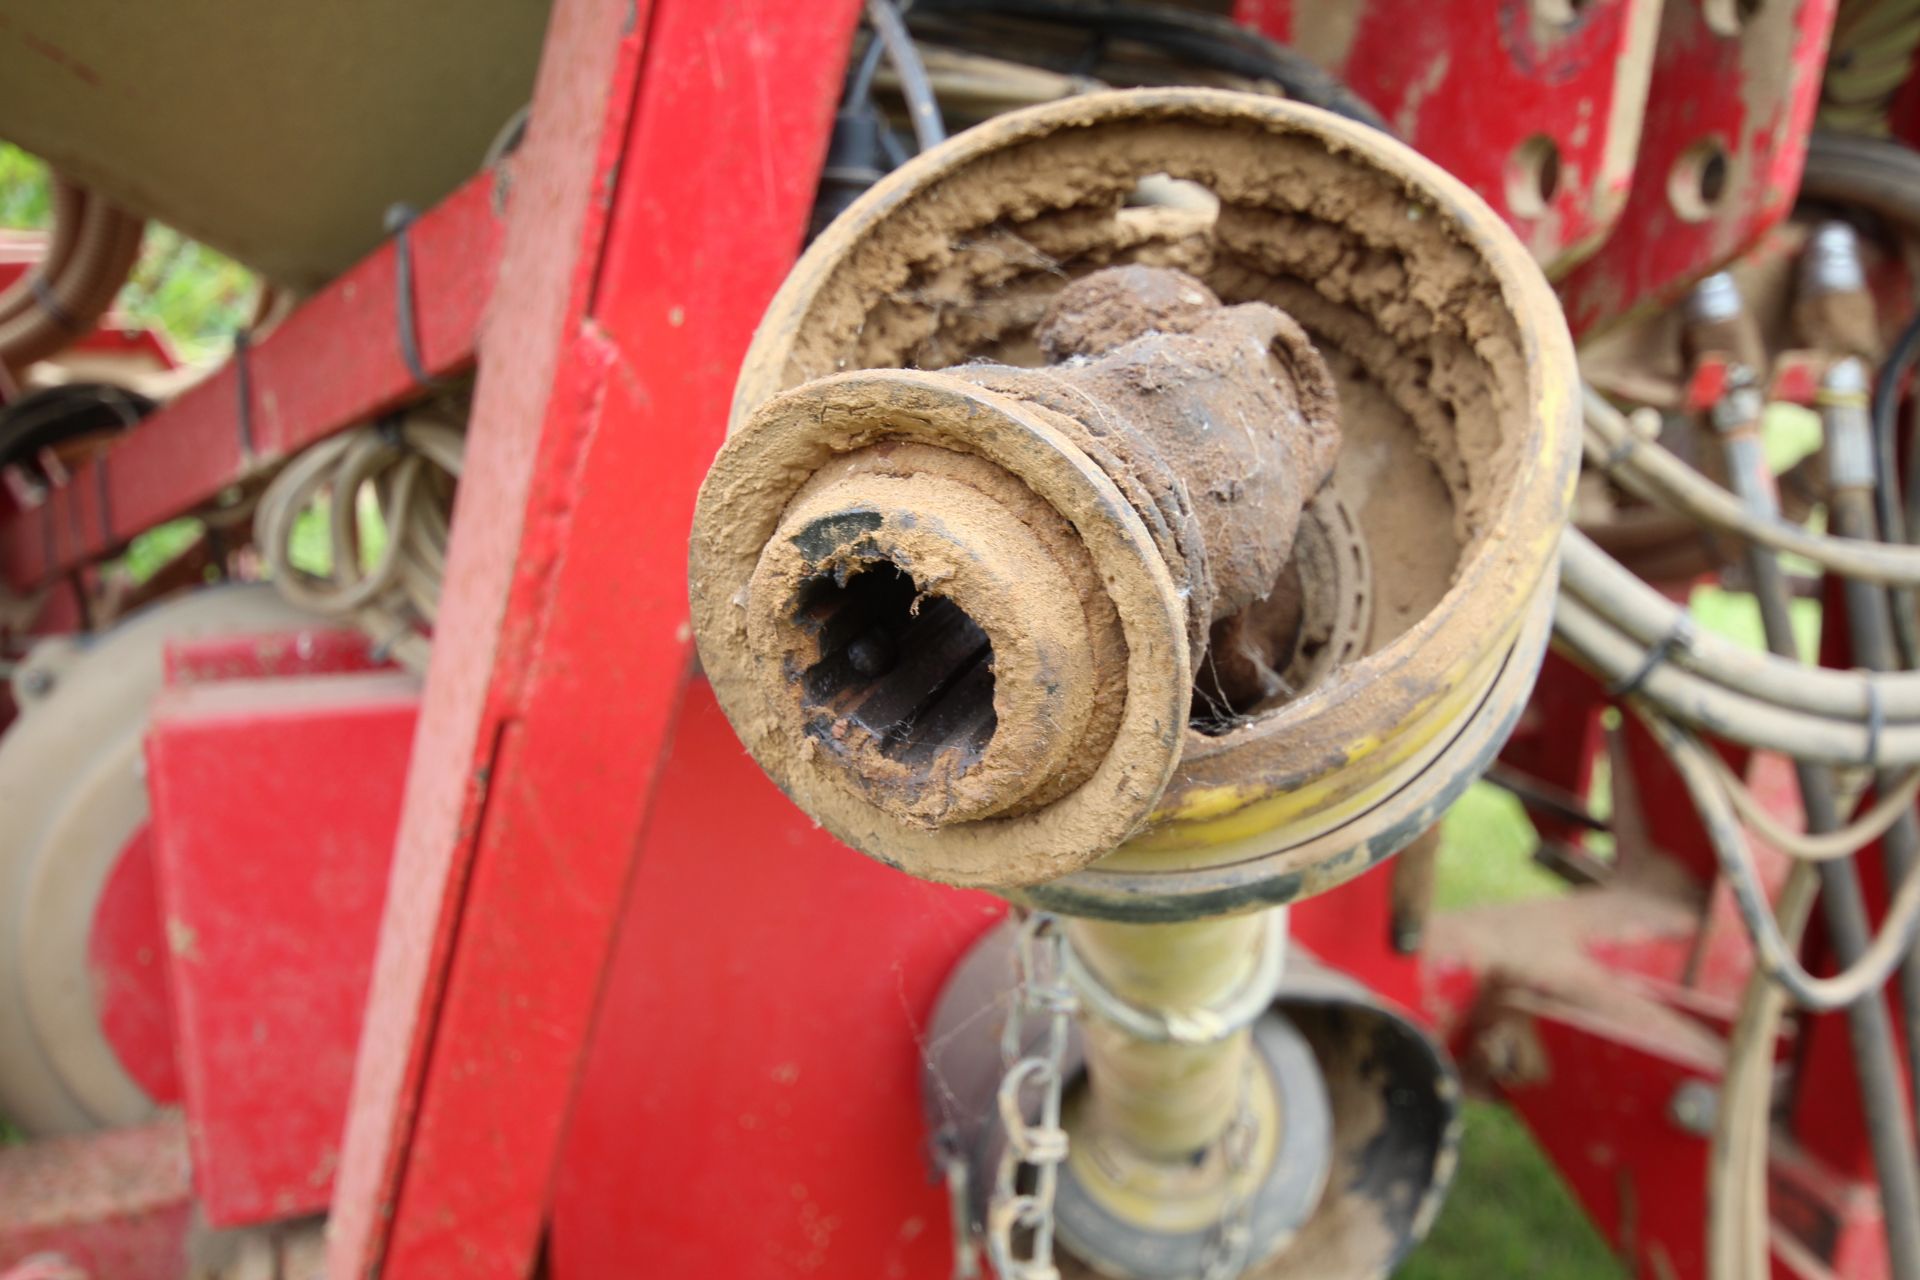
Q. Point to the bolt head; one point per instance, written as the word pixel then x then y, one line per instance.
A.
pixel 1695 1106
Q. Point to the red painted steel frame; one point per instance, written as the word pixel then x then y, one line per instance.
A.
pixel 652 216
pixel 333 362
pixel 1752 95
pixel 1476 83
pixel 1472 83
pixel 752 1104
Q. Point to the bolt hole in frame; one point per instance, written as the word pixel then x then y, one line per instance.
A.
pixel 1561 12
pixel 1729 17
pixel 1533 177
pixel 1699 180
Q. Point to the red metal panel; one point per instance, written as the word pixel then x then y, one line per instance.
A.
pixel 116 1203
pixel 752 1104
pixel 563 642
pixel 332 363
pixel 1479 85
pixel 759 1054
pixel 1751 96
pixel 1599 1097
pixel 127 963
pixel 1350 928
pixel 275 803
pixel 1473 82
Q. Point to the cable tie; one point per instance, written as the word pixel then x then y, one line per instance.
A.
pixel 45 298
pixel 1682 636
pixel 103 492
pixel 391 428
pixel 243 386
pixel 400 220
pixel 49 552
pixel 1876 722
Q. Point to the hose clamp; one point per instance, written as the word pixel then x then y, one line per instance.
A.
pixel 1238 1009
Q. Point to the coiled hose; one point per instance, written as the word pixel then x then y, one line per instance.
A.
pixel 90 254
pixel 398 477
pixel 1632 635
pixel 1871 52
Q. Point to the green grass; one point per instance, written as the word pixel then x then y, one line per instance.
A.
pixel 24 201
pixel 1509 1214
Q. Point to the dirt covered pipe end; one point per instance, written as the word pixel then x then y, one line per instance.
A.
pixel 957 615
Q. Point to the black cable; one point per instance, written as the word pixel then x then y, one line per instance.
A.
pixel 860 79
pixel 243 392
pixel 400 220
pixel 1870 629
pixel 1887 506
pixel 54 415
pixel 1204 39
pixel 923 108
pixel 1869 1024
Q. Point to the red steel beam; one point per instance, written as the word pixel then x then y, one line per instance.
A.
pixel 332 363
pixel 657 203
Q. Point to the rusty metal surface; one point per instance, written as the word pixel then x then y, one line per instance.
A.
pixel 1122 476
pixel 984 736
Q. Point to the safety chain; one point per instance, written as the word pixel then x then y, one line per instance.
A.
pixel 1040 990
pixel 1224 1256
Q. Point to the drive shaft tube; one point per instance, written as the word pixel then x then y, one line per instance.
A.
pixel 966 549
pixel 932 619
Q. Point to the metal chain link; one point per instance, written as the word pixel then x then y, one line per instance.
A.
pixel 1040 990
pixel 1224 1256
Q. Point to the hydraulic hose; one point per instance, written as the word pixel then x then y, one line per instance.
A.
pixel 1593 577
pixel 1851 462
pixel 1737 1221
pixel 1870 56
pixel 410 468
pixel 1700 703
pixel 1651 472
pixel 889 30
pixel 89 256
